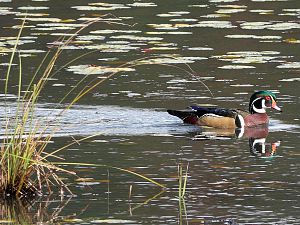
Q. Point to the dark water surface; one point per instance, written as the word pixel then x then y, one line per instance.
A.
pixel 235 47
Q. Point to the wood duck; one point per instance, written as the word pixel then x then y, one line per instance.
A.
pixel 231 118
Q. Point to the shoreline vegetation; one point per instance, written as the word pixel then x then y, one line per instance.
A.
pixel 26 168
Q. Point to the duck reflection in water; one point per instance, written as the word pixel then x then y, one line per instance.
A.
pixel 259 147
pixel 257 141
pixel 257 137
pixel 228 122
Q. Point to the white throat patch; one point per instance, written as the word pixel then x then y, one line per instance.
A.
pixel 263 104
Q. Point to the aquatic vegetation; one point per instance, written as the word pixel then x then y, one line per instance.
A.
pixel 19 211
pixel 26 168
pixel 182 181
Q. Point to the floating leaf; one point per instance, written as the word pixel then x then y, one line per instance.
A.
pixel 170 32
pixel 262 11
pixel 58 85
pixel 107 31
pixel 6 11
pixel 93 69
pixel 270 26
pixel 290 65
pixel 5 50
pixel 163 26
pixel 173 60
pixel 229 11
pixel 250 36
pixel 292 41
pixel 247 57
pixel 198 6
pixel 184 20
pixel 215 15
pixel 100 7
pixel 142 4
pixel 33 7
pixel 200 49
pixel 291 79
pixel 284 26
pixel 137 38
pixel 214 24
pixel 40 19
pixel 236 67
pixel 90 37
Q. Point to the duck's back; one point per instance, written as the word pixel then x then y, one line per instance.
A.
pixel 208 116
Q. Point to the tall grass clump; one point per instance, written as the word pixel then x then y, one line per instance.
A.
pixel 25 166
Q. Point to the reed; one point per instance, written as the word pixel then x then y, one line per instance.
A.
pixel 182 181
pixel 25 166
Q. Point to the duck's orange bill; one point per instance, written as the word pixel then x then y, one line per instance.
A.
pixel 274 106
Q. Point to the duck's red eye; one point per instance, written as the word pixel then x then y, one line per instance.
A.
pixel 268 98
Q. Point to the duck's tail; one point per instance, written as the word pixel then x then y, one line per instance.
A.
pixel 179 113
pixel 188 116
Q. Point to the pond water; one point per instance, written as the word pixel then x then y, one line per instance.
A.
pixel 234 46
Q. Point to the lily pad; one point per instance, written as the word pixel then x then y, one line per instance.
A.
pixel 41 19
pixel 284 26
pixel 215 15
pixel 33 7
pixel 173 60
pixel 200 49
pixel 163 26
pixel 143 4
pixel 262 11
pixel 290 79
pixel 270 26
pixel 100 7
pixel 170 32
pixel 6 11
pixel 137 38
pixel 198 6
pixel 183 20
pixel 290 65
pixel 236 67
pixel 292 41
pixel 229 11
pixel 94 69
pixel 250 36
pixel 214 24
pixel 250 57
pixel 107 31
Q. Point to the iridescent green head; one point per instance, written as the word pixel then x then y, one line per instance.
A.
pixel 261 100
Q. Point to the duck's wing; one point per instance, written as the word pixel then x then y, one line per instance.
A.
pixel 193 114
pixel 201 111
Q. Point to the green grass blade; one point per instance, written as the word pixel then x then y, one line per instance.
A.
pixel 113 167
pixel 185 180
pixel 13 55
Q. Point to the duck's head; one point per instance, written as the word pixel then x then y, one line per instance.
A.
pixel 261 100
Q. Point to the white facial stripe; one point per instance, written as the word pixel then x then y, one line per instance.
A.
pixel 262 110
